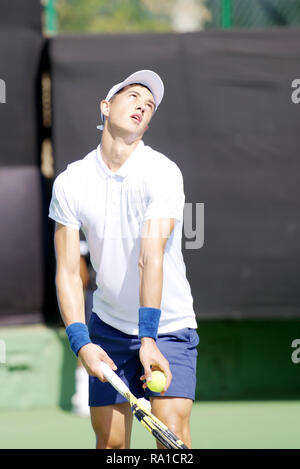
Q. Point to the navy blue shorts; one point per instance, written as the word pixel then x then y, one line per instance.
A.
pixel 88 304
pixel 178 347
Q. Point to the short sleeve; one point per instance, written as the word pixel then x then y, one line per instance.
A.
pixel 165 194
pixel 62 206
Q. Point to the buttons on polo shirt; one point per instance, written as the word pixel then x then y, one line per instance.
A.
pixel 113 200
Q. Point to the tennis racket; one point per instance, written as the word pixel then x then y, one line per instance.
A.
pixel 158 429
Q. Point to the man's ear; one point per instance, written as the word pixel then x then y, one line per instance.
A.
pixel 104 107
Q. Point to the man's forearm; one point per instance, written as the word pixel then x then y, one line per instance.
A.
pixel 151 282
pixel 70 298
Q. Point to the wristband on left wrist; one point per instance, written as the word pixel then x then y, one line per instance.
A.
pixel 148 322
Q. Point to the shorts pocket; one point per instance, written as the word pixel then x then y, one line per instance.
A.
pixel 194 338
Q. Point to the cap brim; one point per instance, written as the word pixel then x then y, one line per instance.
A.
pixel 151 80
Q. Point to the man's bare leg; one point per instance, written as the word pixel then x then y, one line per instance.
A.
pixel 112 425
pixel 174 412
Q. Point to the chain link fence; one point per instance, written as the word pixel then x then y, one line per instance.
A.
pixel 253 13
pixel 117 16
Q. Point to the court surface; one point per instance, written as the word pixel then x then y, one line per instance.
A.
pixel 215 425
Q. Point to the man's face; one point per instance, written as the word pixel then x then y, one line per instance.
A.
pixel 131 110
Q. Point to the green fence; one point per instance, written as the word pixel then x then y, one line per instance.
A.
pixel 118 16
pixel 237 360
pixel 253 13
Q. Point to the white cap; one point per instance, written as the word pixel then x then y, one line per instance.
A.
pixel 144 77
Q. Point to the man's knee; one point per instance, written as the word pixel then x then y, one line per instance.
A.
pixel 106 440
pixel 175 414
pixel 112 426
pixel 178 426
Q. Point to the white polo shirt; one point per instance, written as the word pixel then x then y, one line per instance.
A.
pixel 111 208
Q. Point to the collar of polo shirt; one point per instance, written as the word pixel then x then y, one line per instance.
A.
pixel 124 169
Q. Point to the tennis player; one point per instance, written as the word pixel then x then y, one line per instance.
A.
pixel 129 200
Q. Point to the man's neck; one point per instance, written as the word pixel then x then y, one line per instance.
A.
pixel 115 151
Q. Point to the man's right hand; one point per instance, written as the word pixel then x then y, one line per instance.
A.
pixel 90 356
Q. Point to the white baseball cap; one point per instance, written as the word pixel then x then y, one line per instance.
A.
pixel 143 77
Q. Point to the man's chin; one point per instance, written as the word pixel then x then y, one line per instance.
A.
pixel 134 130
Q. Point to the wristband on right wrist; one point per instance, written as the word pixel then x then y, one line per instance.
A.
pixel 78 335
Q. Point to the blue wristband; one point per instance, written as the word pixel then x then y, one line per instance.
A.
pixel 78 335
pixel 148 322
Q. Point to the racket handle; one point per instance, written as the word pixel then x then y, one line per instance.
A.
pixel 113 378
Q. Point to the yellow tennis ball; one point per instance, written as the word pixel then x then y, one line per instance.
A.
pixel 157 382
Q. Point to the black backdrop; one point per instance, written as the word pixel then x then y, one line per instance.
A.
pixel 19 14
pixel 22 243
pixel 228 121
pixel 21 268
pixel 20 59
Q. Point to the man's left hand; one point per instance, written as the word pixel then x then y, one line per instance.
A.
pixel 152 359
